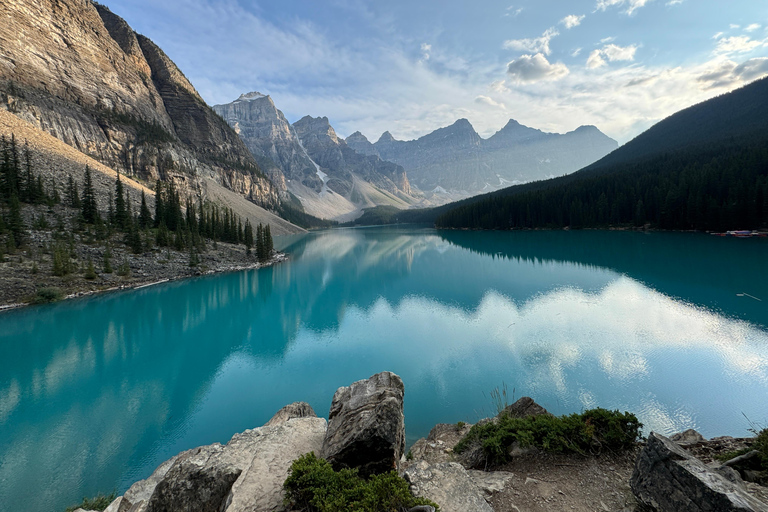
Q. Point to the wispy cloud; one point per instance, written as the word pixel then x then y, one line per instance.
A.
pixel 737 44
pixel 513 11
pixel 572 20
pixel 752 27
pixel 533 45
pixel 632 5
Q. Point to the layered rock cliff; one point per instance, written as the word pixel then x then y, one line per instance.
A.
pixel 79 72
pixel 456 160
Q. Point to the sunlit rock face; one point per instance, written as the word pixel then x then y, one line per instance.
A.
pixel 456 160
pixel 74 69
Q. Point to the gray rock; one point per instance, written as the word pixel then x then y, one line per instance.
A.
pixel 290 411
pixel 142 490
pixel 667 478
pixel 448 485
pixel 366 425
pixel 439 445
pixel 687 438
pixel 523 408
pixel 260 486
pixel 197 482
pixel 120 504
pixel 490 482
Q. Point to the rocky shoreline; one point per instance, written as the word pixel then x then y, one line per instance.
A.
pixel 366 431
pixel 26 273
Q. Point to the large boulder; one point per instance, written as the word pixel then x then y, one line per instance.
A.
pixel 197 483
pixel 448 485
pixel 366 425
pixel 667 478
pixel 291 411
pixel 523 408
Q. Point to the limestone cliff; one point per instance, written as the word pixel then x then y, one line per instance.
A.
pixel 79 72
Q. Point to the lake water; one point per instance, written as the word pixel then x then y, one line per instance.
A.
pixel 95 393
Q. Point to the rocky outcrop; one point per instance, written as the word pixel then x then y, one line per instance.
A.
pixel 455 159
pixel 447 484
pixel 668 478
pixel 246 474
pixel 523 408
pixel 438 445
pixel 366 425
pixel 77 71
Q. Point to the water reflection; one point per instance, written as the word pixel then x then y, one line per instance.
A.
pixel 95 393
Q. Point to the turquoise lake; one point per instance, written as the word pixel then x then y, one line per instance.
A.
pixel 95 393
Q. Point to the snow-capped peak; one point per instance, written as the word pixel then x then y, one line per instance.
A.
pixel 251 96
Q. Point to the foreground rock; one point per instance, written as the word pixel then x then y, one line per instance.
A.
pixel 448 484
pixel 245 474
pixel 667 478
pixel 366 425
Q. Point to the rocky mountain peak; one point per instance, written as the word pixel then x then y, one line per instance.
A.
pixel 250 96
pixel 386 137
pixel 357 137
pixel 320 128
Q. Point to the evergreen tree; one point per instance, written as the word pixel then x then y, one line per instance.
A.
pixel 159 204
pixel 145 217
pixel 121 213
pixel 89 208
pixel 14 223
pixel 268 245
pixel 73 196
pixel 248 236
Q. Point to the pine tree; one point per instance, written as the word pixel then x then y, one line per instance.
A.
pixel 89 208
pixel 121 214
pixel 145 217
pixel 14 222
pixel 268 245
pixel 248 236
pixel 73 196
pixel 159 205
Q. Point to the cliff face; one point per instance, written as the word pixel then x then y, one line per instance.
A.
pixel 456 159
pixel 78 72
pixel 341 161
pixel 271 139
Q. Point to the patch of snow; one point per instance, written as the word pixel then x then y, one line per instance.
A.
pixel 439 190
pixel 251 96
pixel 324 177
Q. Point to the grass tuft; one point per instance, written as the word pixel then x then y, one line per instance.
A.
pixel 99 502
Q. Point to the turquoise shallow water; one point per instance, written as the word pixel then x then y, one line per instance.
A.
pixel 95 393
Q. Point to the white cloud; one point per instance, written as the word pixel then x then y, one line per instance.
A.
pixel 752 27
pixel 674 2
pixel 595 60
pixel 535 68
pixel 607 39
pixel 572 20
pixel 485 100
pixel 718 35
pixel 425 51
pixel 513 11
pixel 533 45
pixel 611 52
pixel 632 5
pixel 614 52
pixel 737 44
pixel 576 52
pixel 734 26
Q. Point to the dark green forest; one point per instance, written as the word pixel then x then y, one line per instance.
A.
pixel 704 168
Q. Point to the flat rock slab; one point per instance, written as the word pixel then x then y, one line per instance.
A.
pixel 667 478
pixel 490 482
pixel 448 484
pixel 260 486
pixel 366 425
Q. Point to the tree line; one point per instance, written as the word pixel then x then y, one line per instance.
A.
pixel 175 223
pixel 722 187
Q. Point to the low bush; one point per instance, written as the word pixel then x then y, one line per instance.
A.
pixel 46 295
pixel 589 432
pixel 99 502
pixel 313 486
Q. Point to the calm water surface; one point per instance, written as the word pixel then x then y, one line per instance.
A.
pixel 95 393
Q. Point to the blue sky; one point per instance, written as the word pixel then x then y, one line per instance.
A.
pixel 413 66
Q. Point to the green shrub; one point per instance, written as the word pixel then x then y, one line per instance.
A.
pixel 46 295
pixel 313 486
pixel 589 432
pixel 99 502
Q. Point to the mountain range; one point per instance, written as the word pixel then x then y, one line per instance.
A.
pixel 455 161
pixel 308 159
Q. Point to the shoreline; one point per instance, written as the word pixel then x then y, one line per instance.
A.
pixel 279 257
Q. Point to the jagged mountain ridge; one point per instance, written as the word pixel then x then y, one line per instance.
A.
pixel 330 179
pixel 79 72
pixel 456 159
